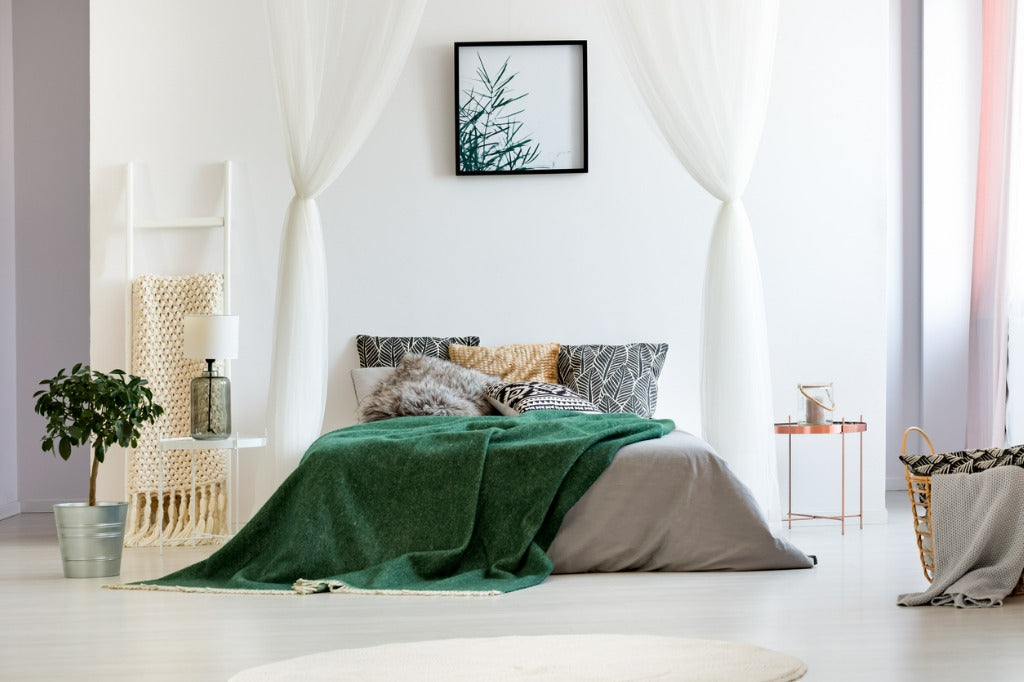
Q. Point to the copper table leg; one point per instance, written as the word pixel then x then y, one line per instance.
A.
pixel 860 485
pixel 842 479
pixel 789 488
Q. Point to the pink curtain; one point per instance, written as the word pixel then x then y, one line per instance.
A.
pixel 986 377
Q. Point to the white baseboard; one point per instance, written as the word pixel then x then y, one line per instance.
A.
pixel 10 509
pixel 41 506
pixel 895 483
pixel 876 515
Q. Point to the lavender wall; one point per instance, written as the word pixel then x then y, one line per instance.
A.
pixel 8 359
pixel 51 203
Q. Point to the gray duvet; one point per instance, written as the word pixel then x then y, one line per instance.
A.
pixel 669 504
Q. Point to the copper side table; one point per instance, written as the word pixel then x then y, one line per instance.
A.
pixel 789 429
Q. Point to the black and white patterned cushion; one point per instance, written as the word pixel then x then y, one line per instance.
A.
pixel 388 351
pixel 620 378
pixel 515 398
pixel 964 461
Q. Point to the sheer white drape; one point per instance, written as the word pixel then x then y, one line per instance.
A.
pixel 996 370
pixel 996 220
pixel 704 69
pixel 336 63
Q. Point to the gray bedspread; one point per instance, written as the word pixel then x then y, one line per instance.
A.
pixel 669 504
pixel 978 531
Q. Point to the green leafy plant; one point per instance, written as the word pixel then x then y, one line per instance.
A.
pixel 491 136
pixel 82 406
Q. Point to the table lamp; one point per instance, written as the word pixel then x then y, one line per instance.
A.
pixel 210 338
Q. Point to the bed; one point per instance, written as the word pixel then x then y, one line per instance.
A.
pixel 667 504
pixel 436 493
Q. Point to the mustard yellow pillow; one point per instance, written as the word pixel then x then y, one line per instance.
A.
pixel 516 362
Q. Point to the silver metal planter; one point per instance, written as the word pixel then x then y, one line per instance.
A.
pixel 91 538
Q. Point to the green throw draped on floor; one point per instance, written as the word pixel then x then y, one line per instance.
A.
pixel 433 504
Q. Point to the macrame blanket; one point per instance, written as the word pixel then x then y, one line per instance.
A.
pixel 159 306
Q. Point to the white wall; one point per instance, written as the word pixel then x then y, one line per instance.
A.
pixel 610 256
pixel 819 206
pixel 196 91
pixel 8 349
pixel 951 92
pixel 51 199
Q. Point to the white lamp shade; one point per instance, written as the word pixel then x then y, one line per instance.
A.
pixel 211 337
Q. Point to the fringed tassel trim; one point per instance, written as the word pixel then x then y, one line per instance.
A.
pixel 304 586
pixel 206 590
pixel 183 519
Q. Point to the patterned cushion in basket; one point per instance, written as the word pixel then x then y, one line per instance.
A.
pixel 964 461
pixel 515 398
pixel 615 378
pixel 388 351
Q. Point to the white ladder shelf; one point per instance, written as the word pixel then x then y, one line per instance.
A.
pixel 133 224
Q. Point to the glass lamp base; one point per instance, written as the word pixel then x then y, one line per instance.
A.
pixel 211 407
pixel 211 435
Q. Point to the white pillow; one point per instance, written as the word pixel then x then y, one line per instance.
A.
pixel 365 379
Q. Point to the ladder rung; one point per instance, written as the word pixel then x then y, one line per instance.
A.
pixel 177 223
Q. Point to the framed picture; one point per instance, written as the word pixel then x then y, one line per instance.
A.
pixel 521 107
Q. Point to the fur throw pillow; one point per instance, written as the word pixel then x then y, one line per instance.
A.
pixel 424 386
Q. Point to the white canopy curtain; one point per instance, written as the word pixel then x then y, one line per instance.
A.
pixel 336 63
pixel 996 288
pixel 704 69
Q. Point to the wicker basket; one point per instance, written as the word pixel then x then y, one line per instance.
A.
pixel 919 488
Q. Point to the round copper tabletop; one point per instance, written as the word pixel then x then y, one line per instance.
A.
pixel 792 428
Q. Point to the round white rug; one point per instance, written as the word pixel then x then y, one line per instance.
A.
pixel 553 657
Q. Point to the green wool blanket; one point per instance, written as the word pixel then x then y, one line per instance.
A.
pixel 420 505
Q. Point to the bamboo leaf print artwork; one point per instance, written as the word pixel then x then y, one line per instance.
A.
pixel 520 107
pixel 491 134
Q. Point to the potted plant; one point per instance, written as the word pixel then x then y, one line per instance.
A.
pixel 83 406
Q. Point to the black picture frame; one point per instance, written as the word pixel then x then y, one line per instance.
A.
pixel 499 129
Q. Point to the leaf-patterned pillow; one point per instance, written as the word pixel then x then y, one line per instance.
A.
pixel 619 378
pixel 964 461
pixel 388 351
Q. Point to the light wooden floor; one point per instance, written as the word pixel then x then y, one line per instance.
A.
pixel 841 617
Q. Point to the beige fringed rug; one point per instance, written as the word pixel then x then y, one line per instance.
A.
pixel 558 658
pixel 159 305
